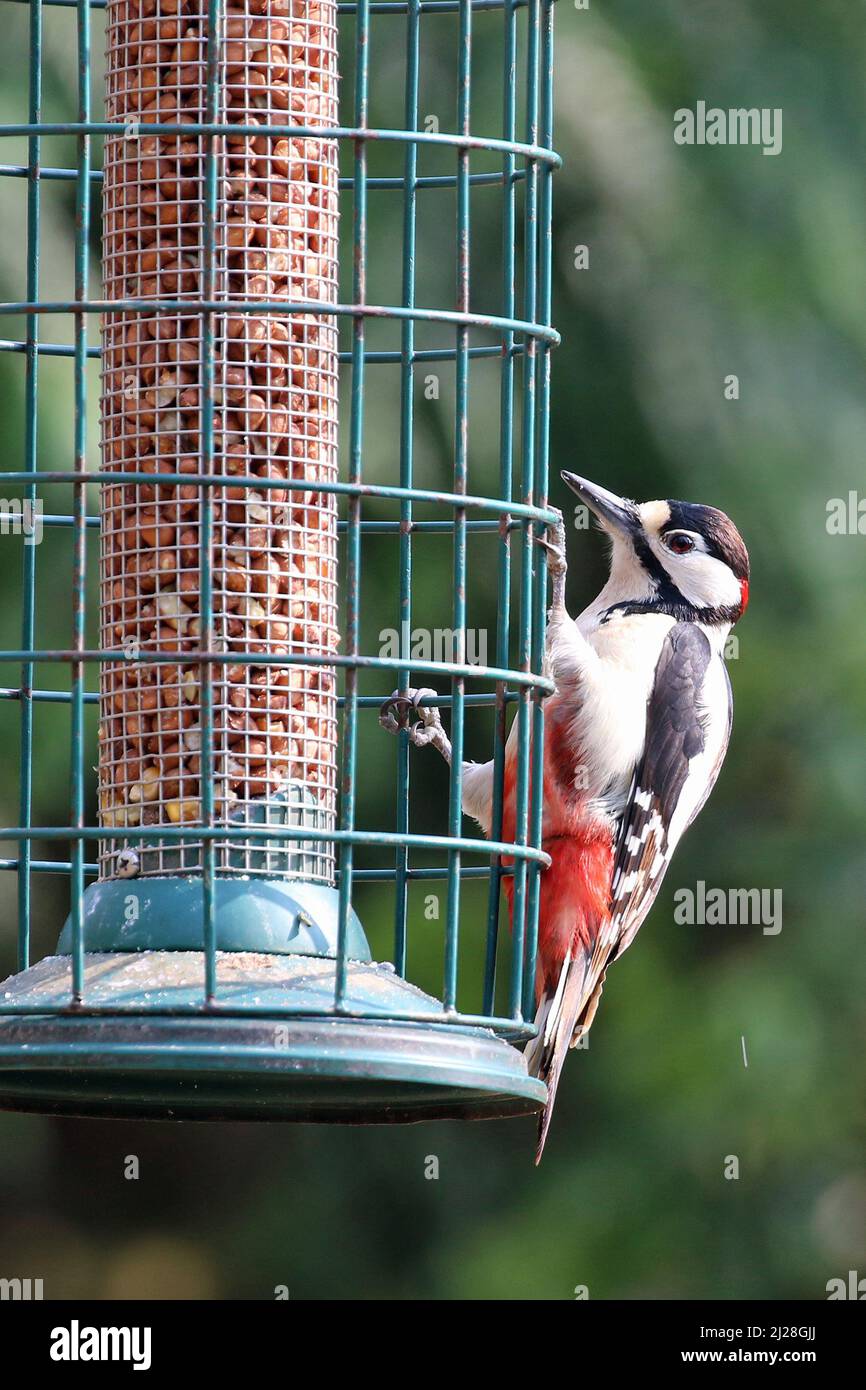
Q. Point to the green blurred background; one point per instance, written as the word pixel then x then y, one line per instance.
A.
pixel 703 262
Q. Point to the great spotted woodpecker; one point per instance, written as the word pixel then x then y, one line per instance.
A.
pixel 635 735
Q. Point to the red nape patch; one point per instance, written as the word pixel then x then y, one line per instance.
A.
pixel 744 596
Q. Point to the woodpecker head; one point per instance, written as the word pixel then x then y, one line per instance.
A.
pixel 679 558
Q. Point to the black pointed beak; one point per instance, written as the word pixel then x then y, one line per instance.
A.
pixel 615 513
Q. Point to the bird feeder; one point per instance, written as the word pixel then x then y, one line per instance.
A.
pixel 215 964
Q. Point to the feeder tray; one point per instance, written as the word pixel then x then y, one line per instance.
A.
pixel 158 1054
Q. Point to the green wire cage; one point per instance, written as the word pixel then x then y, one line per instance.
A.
pixel 213 963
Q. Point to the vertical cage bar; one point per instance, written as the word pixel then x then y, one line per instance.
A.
pixel 31 459
pixel 506 446
pixel 353 534
pixel 545 248
pixel 79 504
pixel 407 427
pixel 206 502
pixel 461 443
pixel 528 566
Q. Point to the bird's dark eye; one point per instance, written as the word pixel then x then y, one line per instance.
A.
pixel 679 542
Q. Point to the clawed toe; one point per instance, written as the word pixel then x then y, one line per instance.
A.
pixel 553 541
pixel 396 713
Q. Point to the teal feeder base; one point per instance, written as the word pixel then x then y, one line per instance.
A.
pixel 271 1049
pixel 287 916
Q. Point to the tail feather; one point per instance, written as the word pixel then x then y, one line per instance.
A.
pixel 562 1027
pixel 555 1033
pixel 546 1021
pixel 571 961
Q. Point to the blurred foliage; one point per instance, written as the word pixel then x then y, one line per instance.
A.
pixel 703 262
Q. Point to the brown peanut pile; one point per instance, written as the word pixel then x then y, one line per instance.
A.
pixel 275 386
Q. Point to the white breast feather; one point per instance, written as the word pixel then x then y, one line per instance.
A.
pixel 609 696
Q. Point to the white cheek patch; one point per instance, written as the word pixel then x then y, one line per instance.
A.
pixel 701 578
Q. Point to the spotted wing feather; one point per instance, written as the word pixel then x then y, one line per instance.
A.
pixel 685 745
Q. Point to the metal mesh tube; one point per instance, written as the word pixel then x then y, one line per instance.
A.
pixel 275 403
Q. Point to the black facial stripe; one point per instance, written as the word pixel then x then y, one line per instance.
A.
pixel 679 609
pixel 667 591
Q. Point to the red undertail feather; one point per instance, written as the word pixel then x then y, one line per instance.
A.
pixel 575 892
pixel 574 899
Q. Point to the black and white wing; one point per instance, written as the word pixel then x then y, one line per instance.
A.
pixel 688 727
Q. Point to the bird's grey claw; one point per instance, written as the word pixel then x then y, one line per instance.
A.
pixel 396 713
pixel 553 541
pixel 388 717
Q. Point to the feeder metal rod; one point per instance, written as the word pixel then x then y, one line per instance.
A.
pixel 543 369
pixel 353 539
pixel 506 487
pixel 206 514
pixel 31 461
pixel 407 423
pixel 461 445
pixel 528 562
pixel 79 502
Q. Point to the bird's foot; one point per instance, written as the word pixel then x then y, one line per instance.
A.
pixel 553 541
pixel 398 712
